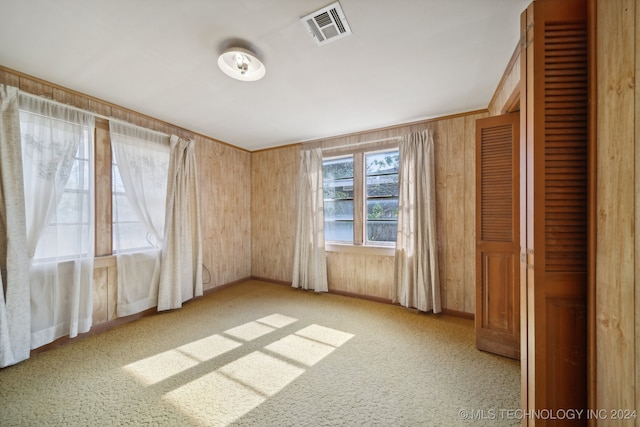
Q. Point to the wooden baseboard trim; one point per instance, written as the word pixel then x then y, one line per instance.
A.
pixel 456 313
pixel 360 296
pixel 277 282
pixel 226 285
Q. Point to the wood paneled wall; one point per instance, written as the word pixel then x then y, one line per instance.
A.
pixel 224 174
pixel 274 174
pixel 617 287
pixel 507 95
pixel 225 195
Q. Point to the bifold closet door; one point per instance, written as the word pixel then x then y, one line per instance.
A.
pixel 497 236
pixel 554 260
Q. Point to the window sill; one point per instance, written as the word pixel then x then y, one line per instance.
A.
pixel 360 249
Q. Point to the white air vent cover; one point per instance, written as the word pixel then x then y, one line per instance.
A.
pixel 327 24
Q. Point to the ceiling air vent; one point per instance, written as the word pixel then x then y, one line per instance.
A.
pixel 327 24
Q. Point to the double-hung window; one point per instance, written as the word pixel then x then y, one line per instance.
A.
pixel 129 232
pixel 58 174
pixel 140 167
pixel 361 198
pixel 337 177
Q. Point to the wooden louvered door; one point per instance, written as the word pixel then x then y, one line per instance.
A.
pixel 497 236
pixel 554 84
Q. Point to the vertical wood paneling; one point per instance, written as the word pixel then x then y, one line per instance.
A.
pixel 225 198
pixel 379 276
pixel 441 140
pixel 637 210
pixel 112 292
pixel 618 346
pixel 274 176
pixel 361 274
pixel 346 272
pixel 469 212
pixel 103 226
pixel 454 215
pixel 100 295
pixel 507 88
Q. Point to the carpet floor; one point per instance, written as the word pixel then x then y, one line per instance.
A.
pixel 260 354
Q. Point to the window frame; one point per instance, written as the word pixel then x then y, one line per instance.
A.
pixel 360 242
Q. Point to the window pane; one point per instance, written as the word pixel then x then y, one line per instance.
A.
pixel 118 187
pixel 382 185
pixel 337 180
pixel 63 241
pixel 382 196
pixel 337 168
pixel 382 231
pixel 382 209
pixel 341 231
pixel 122 210
pixel 79 176
pixel 382 163
pixel 73 208
pixel 131 236
pixel 338 189
pixel 338 210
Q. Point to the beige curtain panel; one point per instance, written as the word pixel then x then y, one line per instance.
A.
pixel 310 261
pixel 181 267
pixel 416 280
pixel 15 305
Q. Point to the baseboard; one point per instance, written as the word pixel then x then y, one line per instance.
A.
pixel 448 312
pixel 226 285
pixel 360 296
pixel 277 282
pixel 457 313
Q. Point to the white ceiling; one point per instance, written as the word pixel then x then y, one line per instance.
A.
pixel 407 60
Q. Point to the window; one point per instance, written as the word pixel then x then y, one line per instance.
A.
pixel 361 197
pixel 382 196
pixel 129 233
pixel 337 181
pixel 58 180
pixel 140 167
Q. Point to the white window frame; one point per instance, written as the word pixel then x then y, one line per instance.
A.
pixel 360 244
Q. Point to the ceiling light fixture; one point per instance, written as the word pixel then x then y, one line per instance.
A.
pixel 241 64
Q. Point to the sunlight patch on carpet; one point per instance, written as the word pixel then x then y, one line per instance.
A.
pixel 161 366
pixel 209 347
pixel 249 331
pixel 262 373
pixel 277 320
pixel 214 399
pixel 233 390
pixel 325 335
pixel 302 350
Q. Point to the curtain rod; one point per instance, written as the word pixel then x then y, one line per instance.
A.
pixel 73 107
pixel 362 143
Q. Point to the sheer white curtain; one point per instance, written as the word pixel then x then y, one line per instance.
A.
pixel 310 261
pixel 58 188
pixel 15 314
pixel 181 268
pixel 142 158
pixel 416 279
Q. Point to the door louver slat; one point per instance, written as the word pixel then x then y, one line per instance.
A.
pixel 497 184
pixel 565 147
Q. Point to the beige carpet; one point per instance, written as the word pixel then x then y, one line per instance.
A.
pixel 259 354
